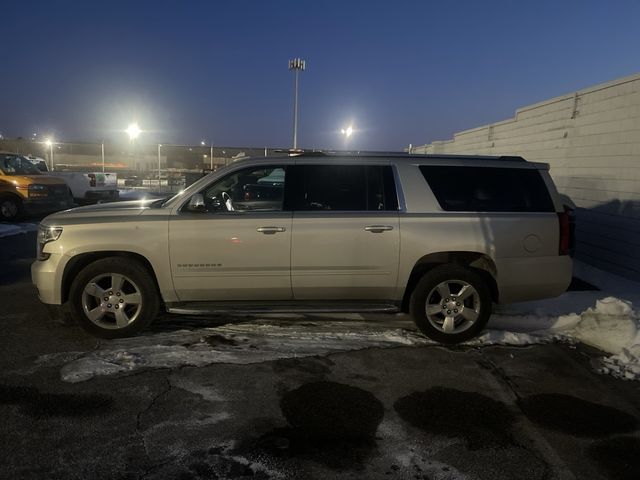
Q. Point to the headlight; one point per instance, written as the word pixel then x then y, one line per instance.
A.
pixel 36 190
pixel 45 235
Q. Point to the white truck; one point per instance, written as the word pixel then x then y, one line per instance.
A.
pixel 86 187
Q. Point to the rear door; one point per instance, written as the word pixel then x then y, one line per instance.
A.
pixel 345 241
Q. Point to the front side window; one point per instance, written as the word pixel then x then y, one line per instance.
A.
pixel 17 165
pixel 254 189
pixel 344 188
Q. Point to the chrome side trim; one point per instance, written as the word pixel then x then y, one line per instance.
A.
pixel 212 309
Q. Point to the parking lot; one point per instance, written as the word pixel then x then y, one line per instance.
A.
pixel 297 397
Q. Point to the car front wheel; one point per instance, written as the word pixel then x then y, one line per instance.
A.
pixel 451 304
pixel 114 298
pixel 10 208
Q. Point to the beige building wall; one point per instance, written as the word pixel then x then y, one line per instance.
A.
pixel 591 139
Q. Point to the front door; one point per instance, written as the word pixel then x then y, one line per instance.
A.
pixel 236 246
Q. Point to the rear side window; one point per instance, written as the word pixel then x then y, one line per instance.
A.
pixel 487 189
pixel 344 188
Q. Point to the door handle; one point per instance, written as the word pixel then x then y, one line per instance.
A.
pixel 270 230
pixel 378 228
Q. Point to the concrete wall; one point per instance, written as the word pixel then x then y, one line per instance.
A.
pixel 591 139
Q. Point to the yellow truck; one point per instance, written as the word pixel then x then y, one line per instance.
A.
pixel 25 190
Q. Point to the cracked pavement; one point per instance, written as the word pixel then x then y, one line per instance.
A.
pixel 412 412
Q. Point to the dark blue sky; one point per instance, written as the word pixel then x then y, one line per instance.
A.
pixel 402 71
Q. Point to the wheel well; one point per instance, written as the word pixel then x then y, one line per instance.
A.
pixel 478 262
pixel 77 263
pixel 11 195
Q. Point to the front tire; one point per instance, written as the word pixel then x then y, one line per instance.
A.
pixel 114 298
pixel 10 208
pixel 451 304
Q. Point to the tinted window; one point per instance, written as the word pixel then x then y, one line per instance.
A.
pixel 486 189
pixel 345 188
pixel 250 189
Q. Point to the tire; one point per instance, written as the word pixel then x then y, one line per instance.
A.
pixel 114 298
pixel 455 319
pixel 10 208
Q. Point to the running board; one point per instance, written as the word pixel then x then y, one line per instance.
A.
pixel 217 308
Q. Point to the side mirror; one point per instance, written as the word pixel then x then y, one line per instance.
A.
pixel 196 203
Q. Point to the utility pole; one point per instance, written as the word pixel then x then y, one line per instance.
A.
pixel 297 65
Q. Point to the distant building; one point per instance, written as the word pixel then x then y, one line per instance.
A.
pixel 591 139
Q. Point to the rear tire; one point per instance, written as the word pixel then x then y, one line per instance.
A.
pixel 451 304
pixel 10 208
pixel 114 298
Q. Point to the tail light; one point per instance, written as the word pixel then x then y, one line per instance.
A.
pixel 564 219
pixel 92 179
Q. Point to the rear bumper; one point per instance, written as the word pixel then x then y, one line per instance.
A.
pixel 523 279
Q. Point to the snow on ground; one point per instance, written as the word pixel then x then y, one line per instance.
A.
pixel 9 229
pixel 607 323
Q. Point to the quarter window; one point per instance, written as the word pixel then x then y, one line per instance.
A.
pixel 488 189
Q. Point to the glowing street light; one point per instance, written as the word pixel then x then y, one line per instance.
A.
pixel 347 132
pixel 133 130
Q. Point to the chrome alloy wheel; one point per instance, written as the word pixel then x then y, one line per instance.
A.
pixel 111 301
pixel 453 306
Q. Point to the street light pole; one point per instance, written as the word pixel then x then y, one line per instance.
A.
pixel 102 149
pixel 159 164
pixel 297 65
pixel 49 143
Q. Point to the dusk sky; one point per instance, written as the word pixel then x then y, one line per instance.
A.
pixel 402 71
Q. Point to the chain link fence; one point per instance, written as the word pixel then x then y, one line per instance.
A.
pixel 161 167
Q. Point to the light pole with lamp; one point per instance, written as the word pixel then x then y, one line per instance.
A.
pixel 49 143
pixel 297 65
pixel 133 130
pixel 203 143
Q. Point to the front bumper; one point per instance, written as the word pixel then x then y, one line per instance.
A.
pixel 33 206
pixel 46 275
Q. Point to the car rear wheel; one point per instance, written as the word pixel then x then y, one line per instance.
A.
pixel 10 208
pixel 451 304
pixel 114 298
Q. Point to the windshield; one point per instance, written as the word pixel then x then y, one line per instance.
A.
pixel 16 165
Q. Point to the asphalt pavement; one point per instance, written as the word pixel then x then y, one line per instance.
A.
pixel 414 412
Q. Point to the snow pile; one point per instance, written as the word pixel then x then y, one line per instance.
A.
pixel 9 229
pixel 611 325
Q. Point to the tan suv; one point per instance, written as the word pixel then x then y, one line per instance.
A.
pixel 442 237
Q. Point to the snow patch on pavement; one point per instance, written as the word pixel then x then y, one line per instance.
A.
pixel 604 322
pixel 251 342
pixel 611 325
